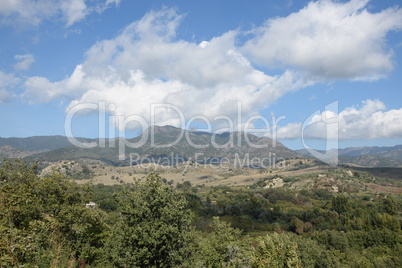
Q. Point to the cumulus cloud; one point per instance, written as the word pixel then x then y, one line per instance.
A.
pixel 24 61
pixel 146 65
pixel 40 89
pixel 370 121
pixel 329 40
pixel 33 12
pixel 7 80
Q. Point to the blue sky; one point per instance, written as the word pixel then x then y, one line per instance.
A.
pixel 274 59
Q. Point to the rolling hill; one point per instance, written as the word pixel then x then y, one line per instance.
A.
pixel 368 156
pixel 176 145
pixel 163 143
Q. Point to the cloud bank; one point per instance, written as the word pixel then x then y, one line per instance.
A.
pixel 147 64
pixel 329 40
pixel 370 121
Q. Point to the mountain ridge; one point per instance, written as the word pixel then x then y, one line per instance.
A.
pixel 375 156
pixel 38 143
pixel 162 141
pixel 184 144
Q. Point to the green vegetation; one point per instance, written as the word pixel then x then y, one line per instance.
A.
pixel 153 228
pixel 44 222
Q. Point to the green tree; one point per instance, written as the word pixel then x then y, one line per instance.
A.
pixel 153 229
pixel 44 221
pixel 220 246
pixel 390 205
pixel 276 250
pixel 340 204
pixel 297 225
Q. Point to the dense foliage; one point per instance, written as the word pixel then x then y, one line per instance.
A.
pixel 44 222
pixel 150 223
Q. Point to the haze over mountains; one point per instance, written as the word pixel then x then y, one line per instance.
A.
pixel 165 143
pixel 373 156
pixel 162 142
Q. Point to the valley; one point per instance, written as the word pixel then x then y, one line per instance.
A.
pixel 272 200
pixel 237 159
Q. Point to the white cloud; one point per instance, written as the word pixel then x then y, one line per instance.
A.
pixel 110 2
pixel 33 12
pixel 73 11
pixel 329 40
pixel 40 89
pixel 24 61
pixel 368 122
pixel 26 11
pixel 7 81
pixel 145 64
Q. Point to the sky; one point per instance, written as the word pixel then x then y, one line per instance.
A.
pixel 303 72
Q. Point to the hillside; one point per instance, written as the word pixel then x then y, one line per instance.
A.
pixel 330 217
pixel 169 146
pixel 162 145
pixel 39 143
pixel 10 152
pixel 296 174
pixel 368 156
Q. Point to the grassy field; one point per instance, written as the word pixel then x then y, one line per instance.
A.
pixel 294 174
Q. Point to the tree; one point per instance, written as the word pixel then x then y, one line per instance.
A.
pixel 17 209
pixel 340 204
pixel 390 205
pixel 218 247
pixel 153 229
pixel 297 225
pixel 276 250
pixel 44 221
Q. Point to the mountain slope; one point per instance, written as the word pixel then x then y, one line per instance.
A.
pixel 10 152
pixel 368 156
pixel 174 145
pixel 39 143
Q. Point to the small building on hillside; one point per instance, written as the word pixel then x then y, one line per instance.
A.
pixel 90 205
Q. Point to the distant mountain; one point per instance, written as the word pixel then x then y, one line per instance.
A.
pixel 10 152
pixel 169 145
pixel 369 161
pixel 39 143
pixel 394 152
pixel 368 156
pixel 162 144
